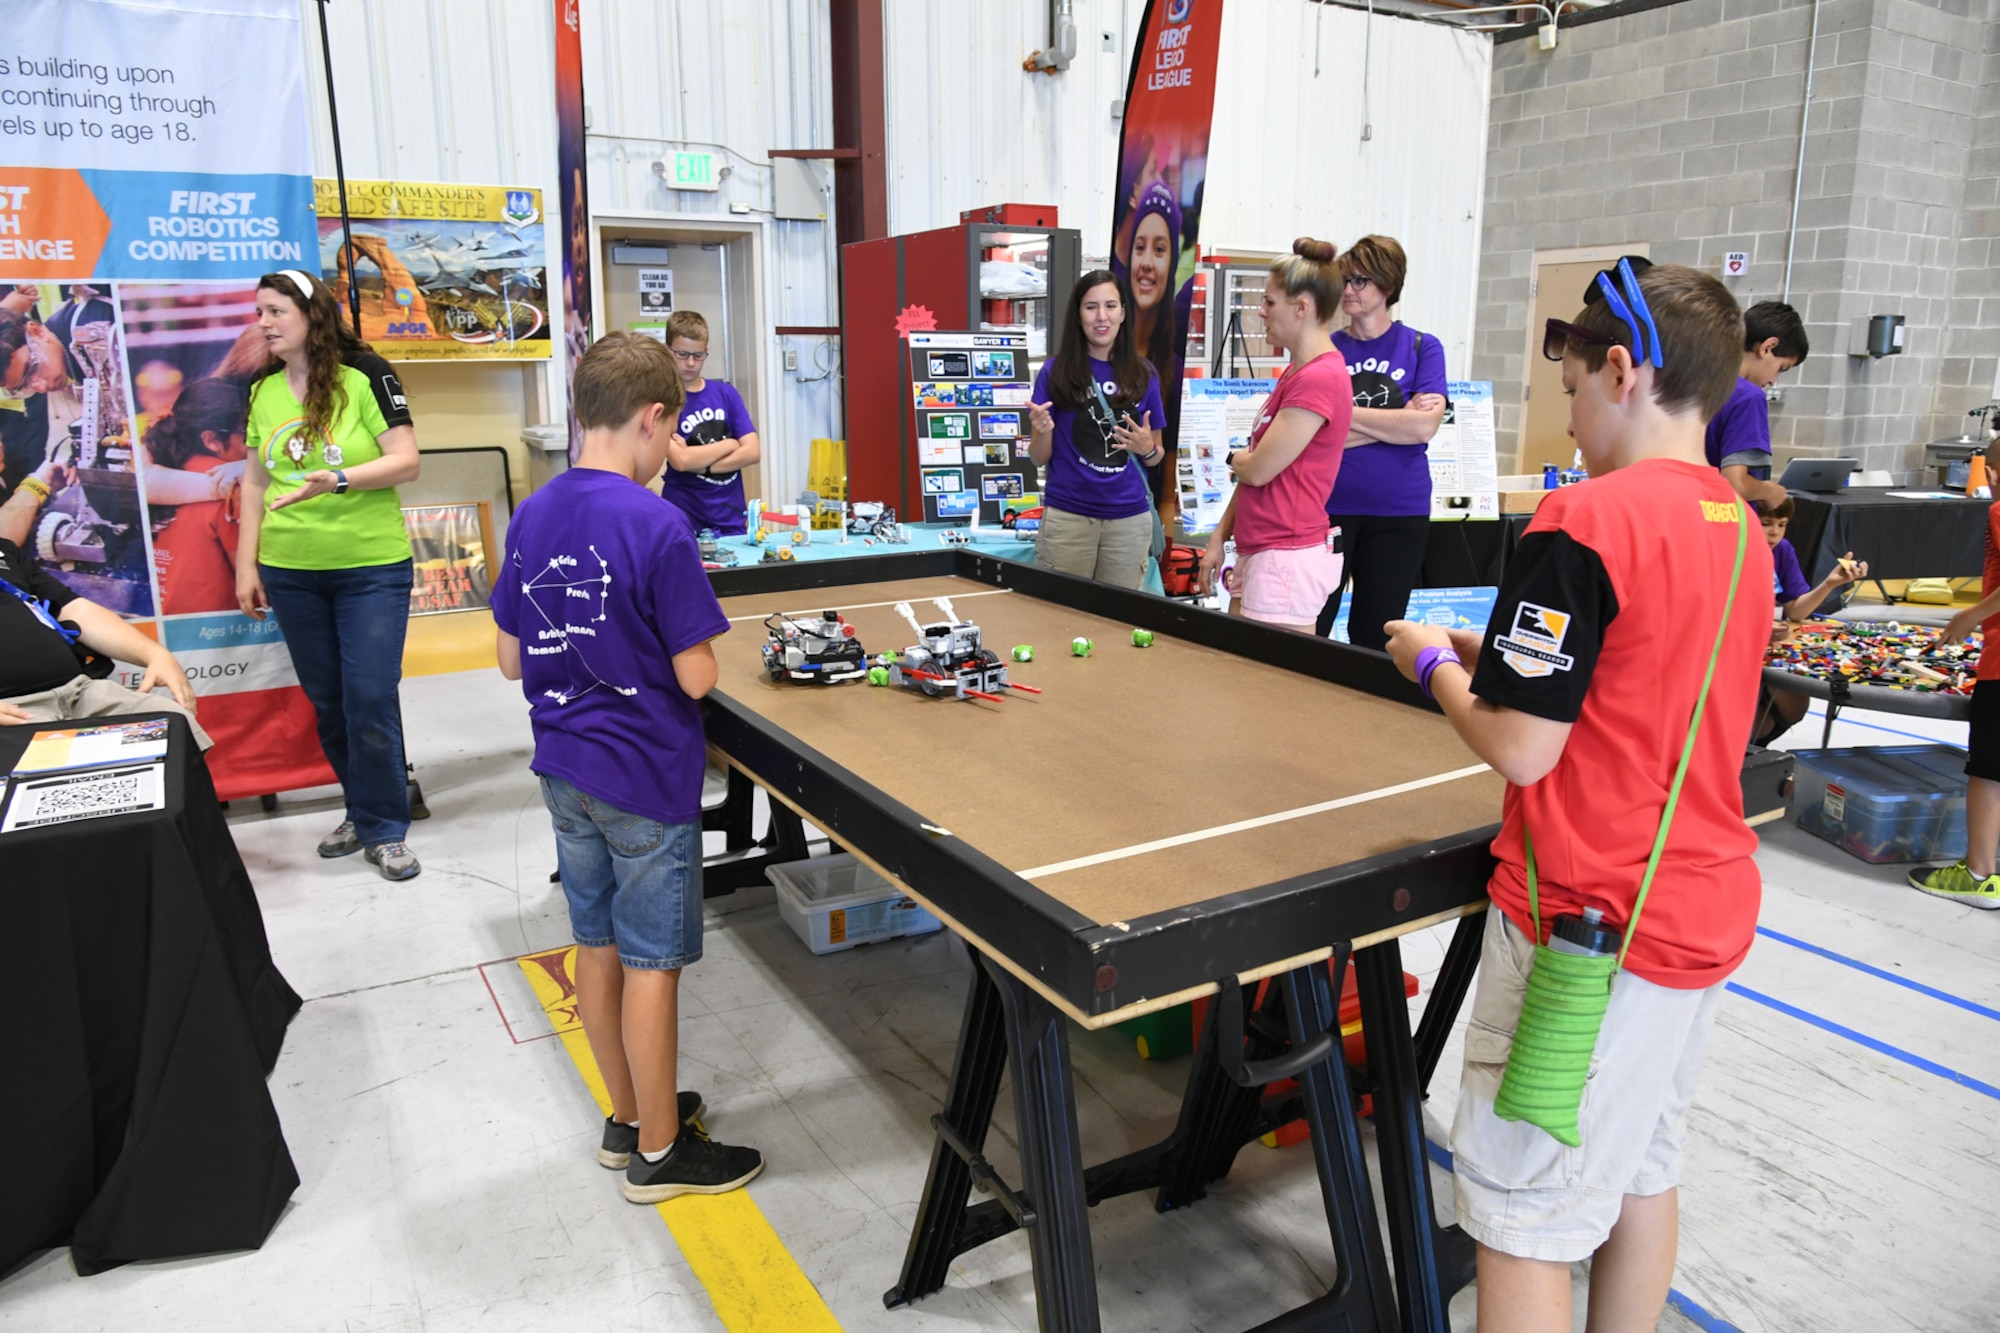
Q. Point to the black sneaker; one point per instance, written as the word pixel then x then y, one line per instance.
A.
pixel 621 1141
pixel 692 1166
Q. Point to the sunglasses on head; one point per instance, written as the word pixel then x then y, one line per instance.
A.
pixel 1630 309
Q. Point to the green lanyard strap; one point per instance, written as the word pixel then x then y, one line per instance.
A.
pixel 1680 773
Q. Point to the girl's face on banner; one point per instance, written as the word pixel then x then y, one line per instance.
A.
pixel 282 323
pixel 1152 263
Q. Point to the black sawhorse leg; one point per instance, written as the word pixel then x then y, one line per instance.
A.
pixel 1432 1262
pixel 1005 1019
pixel 744 859
pixel 1448 991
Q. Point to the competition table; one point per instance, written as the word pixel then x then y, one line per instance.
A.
pixel 1345 814
pixel 1839 694
pixel 135 1121
pixel 1899 538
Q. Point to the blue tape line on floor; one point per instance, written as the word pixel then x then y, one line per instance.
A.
pixel 1677 1298
pixel 1969 1005
pixel 1863 1039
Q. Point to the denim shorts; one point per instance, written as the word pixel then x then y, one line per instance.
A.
pixel 631 881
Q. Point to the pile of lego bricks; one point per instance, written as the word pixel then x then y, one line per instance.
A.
pixel 1884 654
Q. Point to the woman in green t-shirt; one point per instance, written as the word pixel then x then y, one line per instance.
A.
pixel 323 545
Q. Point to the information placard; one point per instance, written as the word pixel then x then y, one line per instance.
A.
pixel 1217 416
pixel 1465 472
pixel 970 392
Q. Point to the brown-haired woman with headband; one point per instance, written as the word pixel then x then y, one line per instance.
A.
pixel 323 545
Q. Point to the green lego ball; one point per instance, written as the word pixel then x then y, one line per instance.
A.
pixel 1024 652
pixel 1080 646
pixel 878 675
pixel 1142 638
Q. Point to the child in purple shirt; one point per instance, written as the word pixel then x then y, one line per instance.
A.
pixel 1739 436
pixel 713 437
pixel 605 617
pixel 1795 600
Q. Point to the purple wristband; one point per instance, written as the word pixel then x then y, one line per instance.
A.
pixel 1427 665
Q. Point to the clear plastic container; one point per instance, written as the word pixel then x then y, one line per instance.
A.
pixel 1884 802
pixel 834 903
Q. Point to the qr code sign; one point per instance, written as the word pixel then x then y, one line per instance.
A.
pixel 64 799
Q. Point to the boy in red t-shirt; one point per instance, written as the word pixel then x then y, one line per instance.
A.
pixel 1581 696
pixel 1973 881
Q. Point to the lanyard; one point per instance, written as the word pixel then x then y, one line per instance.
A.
pixel 1680 773
pixel 42 611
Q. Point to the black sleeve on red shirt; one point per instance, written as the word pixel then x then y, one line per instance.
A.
pixel 389 395
pixel 1555 603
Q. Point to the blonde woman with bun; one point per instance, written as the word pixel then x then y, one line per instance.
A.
pixel 1285 564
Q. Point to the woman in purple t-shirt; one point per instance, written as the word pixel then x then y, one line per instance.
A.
pixel 1382 501
pixel 1096 413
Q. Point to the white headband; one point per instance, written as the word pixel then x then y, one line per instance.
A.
pixel 299 280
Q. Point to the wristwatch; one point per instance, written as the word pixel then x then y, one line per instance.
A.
pixel 339 482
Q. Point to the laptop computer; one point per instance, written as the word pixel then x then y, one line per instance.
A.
pixel 1818 474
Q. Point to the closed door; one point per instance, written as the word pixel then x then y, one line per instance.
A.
pixel 1559 285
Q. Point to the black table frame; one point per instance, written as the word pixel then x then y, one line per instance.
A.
pixel 1096 970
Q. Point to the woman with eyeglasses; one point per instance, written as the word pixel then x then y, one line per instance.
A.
pixel 321 543
pixel 1382 501
pixel 715 439
pixel 1096 416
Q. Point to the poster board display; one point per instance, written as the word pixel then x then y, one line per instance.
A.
pixel 1217 416
pixel 446 272
pixel 1465 469
pixel 969 392
pixel 449 545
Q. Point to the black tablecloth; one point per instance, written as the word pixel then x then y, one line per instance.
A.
pixel 1900 539
pixel 1467 553
pixel 145 1015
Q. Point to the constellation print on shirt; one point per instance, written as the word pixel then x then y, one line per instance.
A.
pixel 565 577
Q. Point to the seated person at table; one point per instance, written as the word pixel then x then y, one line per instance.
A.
pixel 1739 436
pixel 1796 600
pixel 1583 694
pixel 713 441
pixel 605 617
pixel 46 674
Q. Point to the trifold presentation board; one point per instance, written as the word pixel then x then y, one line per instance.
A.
pixel 970 393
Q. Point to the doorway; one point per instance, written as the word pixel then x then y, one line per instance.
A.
pixel 1556 292
pixel 711 270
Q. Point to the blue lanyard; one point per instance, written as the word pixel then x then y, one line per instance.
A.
pixel 42 612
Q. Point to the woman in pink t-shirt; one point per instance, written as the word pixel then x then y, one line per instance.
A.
pixel 1285 565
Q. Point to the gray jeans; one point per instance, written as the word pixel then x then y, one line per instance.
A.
pixel 1110 550
pixel 84 698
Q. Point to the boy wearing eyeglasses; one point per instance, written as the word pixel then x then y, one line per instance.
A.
pixel 713 441
pixel 1616 699
pixel 1739 436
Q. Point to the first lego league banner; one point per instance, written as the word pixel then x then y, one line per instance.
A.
pixel 154 141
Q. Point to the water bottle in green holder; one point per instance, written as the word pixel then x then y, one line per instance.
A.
pixel 1569 988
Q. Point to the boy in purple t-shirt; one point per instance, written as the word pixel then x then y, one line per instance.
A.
pixel 1795 600
pixel 714 438
pixel 605 617
pixel 1739 436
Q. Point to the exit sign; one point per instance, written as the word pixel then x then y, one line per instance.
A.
pixel 694 171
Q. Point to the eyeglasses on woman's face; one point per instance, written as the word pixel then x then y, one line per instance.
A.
pixel 1356 281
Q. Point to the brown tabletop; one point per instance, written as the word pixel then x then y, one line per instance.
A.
pixel 1086 790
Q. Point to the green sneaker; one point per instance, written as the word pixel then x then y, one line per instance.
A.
pixel 1958 884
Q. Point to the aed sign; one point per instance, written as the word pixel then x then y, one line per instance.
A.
pixel 694 171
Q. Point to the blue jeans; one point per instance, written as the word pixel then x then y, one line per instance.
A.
pixel 344 629
pixel 631 881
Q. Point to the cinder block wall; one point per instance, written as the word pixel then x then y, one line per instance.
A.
pixel 1679 126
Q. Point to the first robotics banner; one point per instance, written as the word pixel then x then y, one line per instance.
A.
pixel 144 140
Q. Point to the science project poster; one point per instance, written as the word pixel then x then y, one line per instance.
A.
pixel 1162 165
pixel 446 272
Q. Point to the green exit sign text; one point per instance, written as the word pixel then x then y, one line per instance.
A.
pixel 693 171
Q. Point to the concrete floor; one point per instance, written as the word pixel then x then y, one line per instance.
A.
pixel 446 1143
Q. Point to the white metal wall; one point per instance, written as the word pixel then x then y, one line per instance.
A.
pixel 1295 163
pixel 461 90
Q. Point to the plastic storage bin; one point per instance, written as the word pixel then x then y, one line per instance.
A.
pixel 834 903
pixel 1884 802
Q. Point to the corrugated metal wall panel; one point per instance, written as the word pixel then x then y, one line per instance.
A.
pixel 1296 163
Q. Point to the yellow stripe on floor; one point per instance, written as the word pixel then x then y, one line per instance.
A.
pixel 753 1282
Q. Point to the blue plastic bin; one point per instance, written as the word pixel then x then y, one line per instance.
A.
pixel 1884 802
